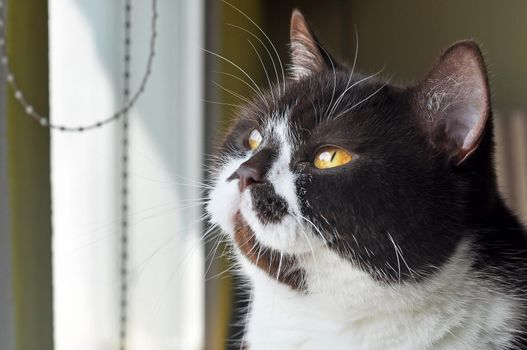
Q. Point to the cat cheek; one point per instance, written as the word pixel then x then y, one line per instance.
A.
pixel 224 203
pixel 224 199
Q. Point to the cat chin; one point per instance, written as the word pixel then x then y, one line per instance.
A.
pixel 287 236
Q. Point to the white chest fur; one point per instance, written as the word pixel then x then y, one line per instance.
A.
pixel 345 309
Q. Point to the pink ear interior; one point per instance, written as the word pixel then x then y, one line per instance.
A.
pixel 454 99
pixel 305 53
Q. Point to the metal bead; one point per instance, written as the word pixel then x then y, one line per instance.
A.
pixel 9 77
pixel 29 109
pixel 18 95
pixel 43 121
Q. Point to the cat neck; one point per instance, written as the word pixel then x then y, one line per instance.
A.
pixel 344 307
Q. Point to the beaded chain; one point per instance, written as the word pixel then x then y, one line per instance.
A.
pixel 123 293
pixel 44 120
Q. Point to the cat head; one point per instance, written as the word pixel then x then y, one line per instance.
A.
pixel 336 160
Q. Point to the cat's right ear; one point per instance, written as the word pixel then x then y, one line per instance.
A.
pixel 454 101
pixel 307 55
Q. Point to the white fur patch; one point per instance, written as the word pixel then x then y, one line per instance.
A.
pixel 345 308
pixel 224 199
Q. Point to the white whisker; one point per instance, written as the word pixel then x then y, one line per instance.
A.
pixel 265 47
pixel 279 267
pixel 339 99
pixel 364 99
pixel 233 93
pixel 265 35
pixel 334 79
pixel 239 79
pixel 260 93
pixel 264 69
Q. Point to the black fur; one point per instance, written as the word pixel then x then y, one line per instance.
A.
pixel 269 206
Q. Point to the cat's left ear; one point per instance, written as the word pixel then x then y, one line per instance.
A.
pixel 454 101
pixel 307 54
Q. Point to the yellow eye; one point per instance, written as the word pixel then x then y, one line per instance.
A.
pixel 255 139
pixel 330 157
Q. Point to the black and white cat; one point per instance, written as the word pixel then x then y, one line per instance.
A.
pixel 366 215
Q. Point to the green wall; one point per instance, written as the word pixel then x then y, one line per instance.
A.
pixel 28 177
pixel 407 36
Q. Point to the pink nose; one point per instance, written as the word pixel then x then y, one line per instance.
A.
pixel 247 175
pixel 254 170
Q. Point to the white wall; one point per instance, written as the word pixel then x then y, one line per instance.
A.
pixel 165 255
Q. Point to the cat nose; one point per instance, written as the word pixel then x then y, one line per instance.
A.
pixel 253 170
pixel 247 175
